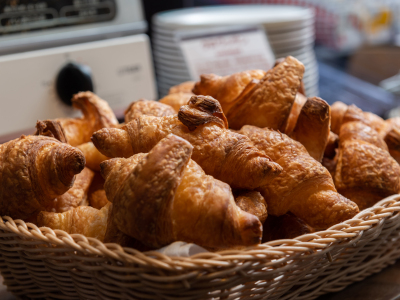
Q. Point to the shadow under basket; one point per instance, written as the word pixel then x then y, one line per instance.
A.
pixel 52 264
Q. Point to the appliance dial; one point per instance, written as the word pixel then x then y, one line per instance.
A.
pixel 73 78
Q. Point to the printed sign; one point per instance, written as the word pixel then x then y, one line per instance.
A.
pixel 225 51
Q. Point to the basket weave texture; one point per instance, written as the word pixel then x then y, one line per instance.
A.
pixel 51 264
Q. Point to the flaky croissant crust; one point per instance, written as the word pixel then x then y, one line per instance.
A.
pixel 269 103
pixel 176 100
pixel 147 107
pixel 304 187
pixel 365 171
pixel 97 114
pixel 226 155
pixel 226 89
pixel 202 209
pixel 33 171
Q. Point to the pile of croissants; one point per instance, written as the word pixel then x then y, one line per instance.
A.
pixel 225 162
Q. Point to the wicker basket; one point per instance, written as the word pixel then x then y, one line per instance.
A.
pixel 51 264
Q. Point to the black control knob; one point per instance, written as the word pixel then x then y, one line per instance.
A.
pixel 73 78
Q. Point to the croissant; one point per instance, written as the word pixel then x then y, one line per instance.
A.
pixel 176 100
pixel 85 220
pixel 338 109
pixel 313 127
pixel 360 131
pixel 304 187
pixel 92 155
pixel 329 160
pixel 96 115
pixel 392 138
pixel 96 194
pixel 164 196
pixel 34 170
pixel 114 235
pixel 226 155
pixel 389 130
pixel 252 202
pixel 269 103
pixel 354 114
pixel 332 145
pixel 365 171
pixel 76 196
pixel 298 104
pixel 149 108
pixel 226 89
pixel 51 128
pixel 184 87
pixel 287 226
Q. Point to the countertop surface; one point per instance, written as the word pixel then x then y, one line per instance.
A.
pixel 382 286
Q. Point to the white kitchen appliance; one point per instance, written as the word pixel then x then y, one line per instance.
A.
pixel 37 24
pixel 50 50
pixel 120 71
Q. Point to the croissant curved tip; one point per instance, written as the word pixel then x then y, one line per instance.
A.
pixel 267 169
pixel 251 229
pixel 330 208
pixel 97 137
pixel 71 163
pixel 107 166
pixel 99 140
pixel 76 160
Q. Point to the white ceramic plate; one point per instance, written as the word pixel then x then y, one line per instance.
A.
pixel 271 16
pixel 300 41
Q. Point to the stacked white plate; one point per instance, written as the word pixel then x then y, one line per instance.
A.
pixel 290 31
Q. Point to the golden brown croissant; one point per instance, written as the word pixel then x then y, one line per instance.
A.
pixel 313 127
pixel 338 109
pixel 92 155
pixel 253 203
pixel 98 199
pixel 332 145
pixel 389 130
pixel 34 170
pixel 97 195
pixel 226 155
pixel 149 108
pixel 176 100
pixel 114 235
pixel 354 114
pixel 365 171
pixel 85 220
pixel 226 89
pixel 184 87
pixel 96 115
pixel 269 103
pixel 329 160
pixel 164 196
pixel 51 128
pixel 304 187
pixel 302 89
pixel 287 226
pixel 359 131
pixel 298 104
pixel 76 196
pixel 392 138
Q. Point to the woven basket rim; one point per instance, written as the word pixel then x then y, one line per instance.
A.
pixel 350 230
